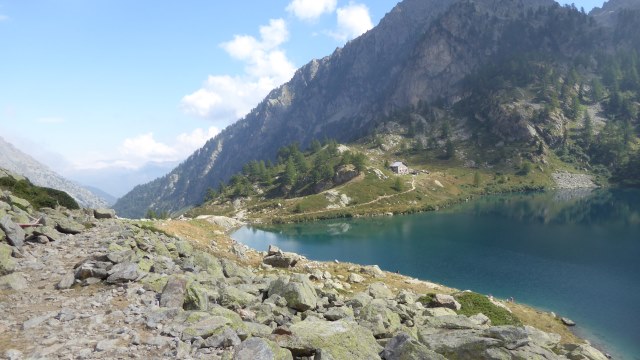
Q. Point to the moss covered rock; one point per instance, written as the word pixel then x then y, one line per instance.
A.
pixel 7 264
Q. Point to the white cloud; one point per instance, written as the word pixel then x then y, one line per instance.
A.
pixel 3 18
pixel 311 9
pixel 140 150
pixel 225 98
pixel 353 21
pixel 50 120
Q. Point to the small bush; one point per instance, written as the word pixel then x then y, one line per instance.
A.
pixel 474 303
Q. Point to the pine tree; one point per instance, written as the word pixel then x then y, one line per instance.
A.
pixel 290 174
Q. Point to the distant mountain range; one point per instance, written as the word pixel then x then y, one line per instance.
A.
pixel 480 73
pixel 20 163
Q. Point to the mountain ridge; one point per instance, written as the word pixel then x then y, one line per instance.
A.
pixel 20 163
pixel 421 52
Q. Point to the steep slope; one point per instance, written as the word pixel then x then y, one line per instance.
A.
pixel 422 52
pixel 611 9
pixel 20 163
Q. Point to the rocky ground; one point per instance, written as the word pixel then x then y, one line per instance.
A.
pixel 85 285
pixel 565 180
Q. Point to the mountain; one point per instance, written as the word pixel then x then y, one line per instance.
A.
pixel 108 198
pixel 610 11
pixel 20 163
pixel 433 64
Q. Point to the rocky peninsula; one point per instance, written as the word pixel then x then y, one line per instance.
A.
pixel 84 284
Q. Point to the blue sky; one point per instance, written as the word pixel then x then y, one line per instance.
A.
pixel 99 88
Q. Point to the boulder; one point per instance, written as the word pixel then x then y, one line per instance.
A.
pixel 372 270
pixel 567 321
pixel 13 232
pixel 104 213
pixel 446 301
pixel 7 264
pixel 281 259
pixel 263 349
pixel 404 347
pixel 184 248
pixel 93 269
pixel 117 257
pixel 377 317
pixel 51 233
pixel 66 282
pixel 13 281
pixel 451 322
pixel 204 325
pixel 226 338
pixel 233 297
pixel 197 297
pixel 297 290
pixel 338 313
pixel 124 272
pixel 174 292
pixel 379 290
pixel 208 263
pixel 333 340
pixel 439 312
pixel 355 278
pixel 69 227
pixel 345 173
pixel 22 203
pixel 460 344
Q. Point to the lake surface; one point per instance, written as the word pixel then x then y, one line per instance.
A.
pixel 574 253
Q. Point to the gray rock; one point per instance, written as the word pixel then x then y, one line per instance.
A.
pixel 124 272
pixel 49 232
pixel 480 319
pixel 282 260
pixel 404 347
pixel 338 313
pixel 13 232
pixel 204 327
pixel 13 354
pixel 377 317
pixel 231 296
pixel 297 290
pixel 355 278
pixel 106 345
pixel 208 263
pixel 174 292
pixel 460 344
pixel 585 352
pixel 66 282
pixel 451 322
pixel 379 290
pixel 93 269
pixel 104 213
pixel 67 226
pixel 7 264
pixel 336 339
pixel 260 349
pixel 373 270
pixel 439 312
pixel 37 320
pixel 227 338
pixel 359 300
pixel 117 257
pixel 447 301
pixel 66 314
pixel 567 321
pixel 14 281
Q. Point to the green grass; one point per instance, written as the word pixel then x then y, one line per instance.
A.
pixel 474 303
pixel 39 197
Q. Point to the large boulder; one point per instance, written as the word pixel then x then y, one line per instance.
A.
pixel 460 344
pixel 204 325
pixel 377 317
pixel 404 347
pixel 209 263
pixel 104 213
pixel 447 301
pixel 333 340
pixel 277 258
pixel 263 349
pixel 125 272
pixel 51 233
pixel 379 290
pixel 297 290
pixel 173 293
pixel 13 232
pixel 233 297
pixel 13 281
pixel 7 264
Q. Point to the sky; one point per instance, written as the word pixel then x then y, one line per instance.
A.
pixel 113 93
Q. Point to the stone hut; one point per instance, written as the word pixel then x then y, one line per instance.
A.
pixel 399 168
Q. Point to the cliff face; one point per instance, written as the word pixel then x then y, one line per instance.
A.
pixel 20 163
pixel 421 52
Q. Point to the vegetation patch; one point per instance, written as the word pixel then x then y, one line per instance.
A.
pixel 39 197
pixel 474 303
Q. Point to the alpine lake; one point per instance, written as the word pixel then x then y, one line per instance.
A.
pixel 576 253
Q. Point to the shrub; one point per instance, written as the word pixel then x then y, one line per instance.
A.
pixel 474 303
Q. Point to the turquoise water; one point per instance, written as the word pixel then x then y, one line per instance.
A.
pixel 575 253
